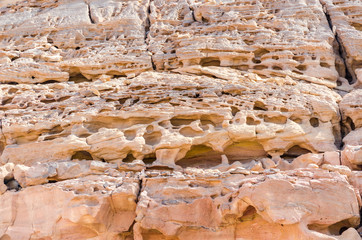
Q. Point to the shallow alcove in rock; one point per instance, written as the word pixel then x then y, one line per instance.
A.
pixel 149 159
pixel 82 155
pixel 294 152
pixel 244 151
pixel 200 156
pixel 129 158
pixel 11 184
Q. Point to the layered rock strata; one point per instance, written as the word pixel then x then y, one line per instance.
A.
pixel 67 40
pixel 240 116
pixel 272 38
pixel 180 119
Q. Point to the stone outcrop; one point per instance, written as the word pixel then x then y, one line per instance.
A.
pixel 271 38
pixel 180 119
pixel 241 116
pixel 82 208
pixel 234 206
pixel 67 40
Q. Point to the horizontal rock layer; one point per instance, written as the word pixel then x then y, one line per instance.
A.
pixel 242 117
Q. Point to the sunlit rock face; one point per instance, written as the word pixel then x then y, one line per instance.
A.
pixel 180 119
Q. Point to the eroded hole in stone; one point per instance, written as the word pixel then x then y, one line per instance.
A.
pixel 7 101
pixel 205 62
pixel 334 229
pixel 46 101
pixel 122 100
pixel 206 122
pixel 251 121
pixel 176 121
pixel 242 151
pixel 234 110
pixel 342 229
pixel 243 67
pixel 50 81
pixel 248 215
pixel 276 68
pixel 258 105
pixel 200 156
pixel 130 158
pixel 149 158
pixel 256 61
pixel 260 67
pixel 301 67
pixel 276 119
pixel 12 90
pixel 314 122
pixel 260 52
pixel 297 72
pixel 79 78
pixel 350 123
pixel 298 59
pixel 189 132
pixel 56 130
pixel 357 26
pixel 294 152
pixel 83 135
pixel 296 120
pixel 152 138
pixel 149 128
pixel 82 155
pixel 164 123
pixel 213 119
pixel 11 183
pixel 325 65
pixel 130 134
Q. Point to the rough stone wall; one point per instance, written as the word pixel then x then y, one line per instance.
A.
pixel 180 119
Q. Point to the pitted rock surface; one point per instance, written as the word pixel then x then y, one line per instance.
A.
pixel 180 119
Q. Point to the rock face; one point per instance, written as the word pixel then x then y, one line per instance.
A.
pixel 67 40
pixel 345 16
pixel 271 38
pixel 180 119
pixel 235 206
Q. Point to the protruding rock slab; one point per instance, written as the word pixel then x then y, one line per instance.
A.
pixel 168 117
pixel 100 207
pixel 72 40
pixel 275 38
pixel 303 204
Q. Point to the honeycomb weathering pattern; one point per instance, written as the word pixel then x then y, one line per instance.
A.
pixel 180 119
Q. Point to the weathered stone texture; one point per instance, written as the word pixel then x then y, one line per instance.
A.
pixel 238 207
pixel 272 38
pixel 67 40
pixel 83 208
pixel 112 120
pixel 180 119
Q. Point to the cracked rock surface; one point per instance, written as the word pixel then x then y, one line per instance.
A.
pixel 180 119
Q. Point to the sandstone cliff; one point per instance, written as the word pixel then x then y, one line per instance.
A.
pixel 180 119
